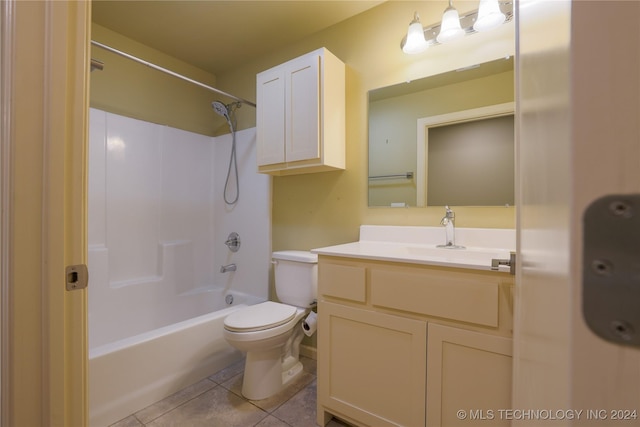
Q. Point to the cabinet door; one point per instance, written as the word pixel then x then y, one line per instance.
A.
pixel 270 117
pixel 467 371
pixel 371 366
pixel 303 108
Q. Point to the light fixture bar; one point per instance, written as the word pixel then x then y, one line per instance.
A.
pixel 466 22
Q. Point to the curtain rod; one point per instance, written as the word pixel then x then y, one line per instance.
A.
pixel 171 73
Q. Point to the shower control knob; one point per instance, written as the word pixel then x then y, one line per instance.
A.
pixel 233 242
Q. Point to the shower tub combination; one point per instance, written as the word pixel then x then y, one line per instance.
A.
pixel 157 231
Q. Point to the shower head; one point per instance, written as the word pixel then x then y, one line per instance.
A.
pixel 220 109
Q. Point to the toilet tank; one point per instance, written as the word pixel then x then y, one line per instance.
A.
pixel 296 277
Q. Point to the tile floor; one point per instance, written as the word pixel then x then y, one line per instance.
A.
pixel 217 402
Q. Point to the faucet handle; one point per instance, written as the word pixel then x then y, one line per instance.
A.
pixel 449 215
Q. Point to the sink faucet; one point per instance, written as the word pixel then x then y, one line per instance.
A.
pixel 448 221
pixel 227 268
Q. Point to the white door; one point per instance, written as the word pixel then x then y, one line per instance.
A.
pixel 270 116
pixel 303 108
pixel 578 85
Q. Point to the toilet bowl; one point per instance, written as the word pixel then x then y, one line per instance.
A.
pixel 270 332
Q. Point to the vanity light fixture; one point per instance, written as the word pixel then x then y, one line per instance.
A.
pixel 450 29
pixel 490 14
pixel 416 42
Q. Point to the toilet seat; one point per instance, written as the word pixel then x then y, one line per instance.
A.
pixel 259 317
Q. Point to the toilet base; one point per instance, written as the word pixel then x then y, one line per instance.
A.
pixel 265 374
pixel 291 369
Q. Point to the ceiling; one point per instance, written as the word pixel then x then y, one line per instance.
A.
pixel 217 35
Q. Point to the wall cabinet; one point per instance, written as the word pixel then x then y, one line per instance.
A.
pixel 300 121
pixel 410 345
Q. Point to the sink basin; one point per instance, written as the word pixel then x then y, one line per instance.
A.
pixel 408 247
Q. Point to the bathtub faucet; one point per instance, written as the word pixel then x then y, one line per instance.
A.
pixel 227 268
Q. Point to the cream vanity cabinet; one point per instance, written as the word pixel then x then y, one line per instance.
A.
pixel 404 344
pixel 300 118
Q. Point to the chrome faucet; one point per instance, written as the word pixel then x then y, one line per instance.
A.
pixel 227 268
pixel 448 221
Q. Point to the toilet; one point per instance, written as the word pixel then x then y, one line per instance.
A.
pixel 270 332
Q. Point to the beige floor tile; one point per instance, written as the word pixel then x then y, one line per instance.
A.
pixel 300 410
pixel 272 421
pixel 215 408
pixel 152 412
pixel 217 401
pixel 130 421
pixel 228 373
pixel 271 403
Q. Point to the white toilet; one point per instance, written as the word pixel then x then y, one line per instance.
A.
pixel 270 333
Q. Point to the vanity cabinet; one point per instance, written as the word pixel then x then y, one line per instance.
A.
pixel 471 372
pixel 403 344
pixel 300 115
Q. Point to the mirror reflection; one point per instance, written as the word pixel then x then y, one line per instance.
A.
pixel 407 128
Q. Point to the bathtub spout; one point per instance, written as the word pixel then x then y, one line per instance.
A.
pixel 227 268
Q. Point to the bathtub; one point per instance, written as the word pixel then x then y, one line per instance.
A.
pixel 132 373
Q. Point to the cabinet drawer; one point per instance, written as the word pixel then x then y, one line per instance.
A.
pixel 466 298
pixel 342 281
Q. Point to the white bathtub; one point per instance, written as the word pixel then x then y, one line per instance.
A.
pixel 128 375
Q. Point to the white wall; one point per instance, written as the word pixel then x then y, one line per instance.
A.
pixel 157 225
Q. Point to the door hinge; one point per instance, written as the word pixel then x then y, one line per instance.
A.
pixel 610 268
pixel 77 277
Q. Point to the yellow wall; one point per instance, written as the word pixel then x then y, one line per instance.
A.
pixel 317 209
pixel 134 90
pixel 325 209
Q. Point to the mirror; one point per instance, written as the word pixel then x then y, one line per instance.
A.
pixel 399 169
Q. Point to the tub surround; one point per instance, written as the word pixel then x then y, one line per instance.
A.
pixel 418 245
pixel 157 227
pixel 408 337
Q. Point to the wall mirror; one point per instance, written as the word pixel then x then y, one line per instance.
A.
pixel 433 118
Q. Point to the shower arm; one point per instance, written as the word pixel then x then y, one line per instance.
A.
pixel 171 73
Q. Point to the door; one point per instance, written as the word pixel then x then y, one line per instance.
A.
pixel 468 377
pixel 578 108
pixel 270 116
pixel 373 366
pixel 303 108
pixel 44 70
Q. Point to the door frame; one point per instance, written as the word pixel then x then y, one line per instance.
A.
pixel 44 81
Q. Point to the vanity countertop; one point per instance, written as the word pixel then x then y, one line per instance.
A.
pixel 418 245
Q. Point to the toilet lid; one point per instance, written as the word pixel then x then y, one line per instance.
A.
pixel 258 317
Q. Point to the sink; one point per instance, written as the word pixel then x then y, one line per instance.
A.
pixel 419 245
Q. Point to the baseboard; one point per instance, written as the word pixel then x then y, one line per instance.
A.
pixel 308 351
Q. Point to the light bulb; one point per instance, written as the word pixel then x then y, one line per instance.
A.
pixel 489 16
pixel 415 42
pixel 450 28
